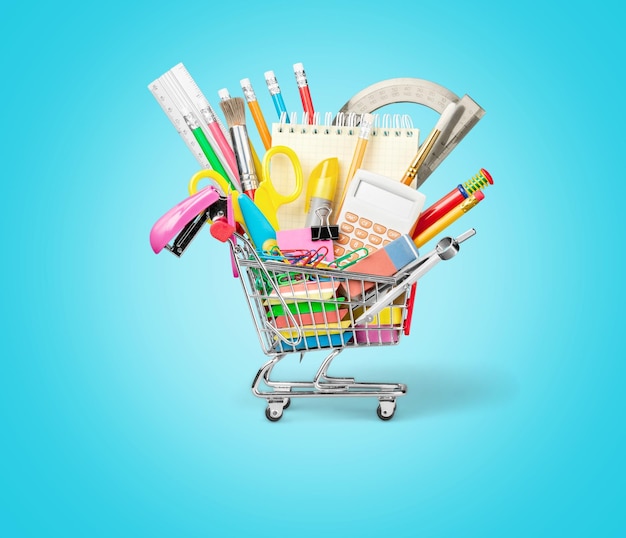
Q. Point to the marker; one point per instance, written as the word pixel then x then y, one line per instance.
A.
pixel 425 149
pixel 448 219
pixel 451 200
pixel 255 110
pixel 277 96
pixel 305 94
pixel 321 191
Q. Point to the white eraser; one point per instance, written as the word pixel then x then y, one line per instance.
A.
pixel 269 75
pixel 245 82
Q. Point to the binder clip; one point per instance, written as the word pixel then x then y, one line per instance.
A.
pixel 325 230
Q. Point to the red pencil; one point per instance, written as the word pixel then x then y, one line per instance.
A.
pixel 305 94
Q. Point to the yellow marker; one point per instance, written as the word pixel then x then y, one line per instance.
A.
pixel 367 121
pixel 257 115
pixel 448 219
pixel 321 192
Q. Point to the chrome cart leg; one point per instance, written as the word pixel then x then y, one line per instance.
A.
pixel 323 381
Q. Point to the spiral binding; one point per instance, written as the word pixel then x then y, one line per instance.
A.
pixel 342 123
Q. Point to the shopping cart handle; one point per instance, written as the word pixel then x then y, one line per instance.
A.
pixel 445 249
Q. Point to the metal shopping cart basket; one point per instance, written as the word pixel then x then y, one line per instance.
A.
pixel 303 308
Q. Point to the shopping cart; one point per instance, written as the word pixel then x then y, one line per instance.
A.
pixel 303 308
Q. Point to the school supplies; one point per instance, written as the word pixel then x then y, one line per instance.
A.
pixel 385 261
pixel 277 96
pixel 305 93
pixel 261 232
pixel 376 211
pixel 365 130
pixel 391 145
pixel 177 93
pixel 321 189
pixel 427 146
pixel 185 219
pixel 267 198
pixel 421 92
pixel 235 114
pixel 455 197
pixel 299 297
pixel 301 238
pixel 255 110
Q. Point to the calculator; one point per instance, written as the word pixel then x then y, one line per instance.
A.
pixel 376 210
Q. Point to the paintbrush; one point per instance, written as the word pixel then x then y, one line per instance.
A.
pixel 235 113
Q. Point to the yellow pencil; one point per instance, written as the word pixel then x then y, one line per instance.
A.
pixel 367 121
pixel 257 115
pixel 427 146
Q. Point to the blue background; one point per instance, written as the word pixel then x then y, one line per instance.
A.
pixel 125 385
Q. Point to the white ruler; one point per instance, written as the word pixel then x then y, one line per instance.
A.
pixel 178 94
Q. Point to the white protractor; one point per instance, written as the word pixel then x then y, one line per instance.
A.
pixel 427 93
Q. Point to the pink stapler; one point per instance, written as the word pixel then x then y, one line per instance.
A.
pixel 183 221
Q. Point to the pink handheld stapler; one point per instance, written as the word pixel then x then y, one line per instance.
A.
pixel 183 221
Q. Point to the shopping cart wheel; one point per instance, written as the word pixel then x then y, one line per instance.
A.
pixel 386 409
pixel 274 410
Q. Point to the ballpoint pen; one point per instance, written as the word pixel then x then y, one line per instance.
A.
pixel 257 115
pixel 427 146
pixel 277 96
pixel 305 93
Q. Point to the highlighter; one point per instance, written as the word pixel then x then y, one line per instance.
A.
pixel 321 191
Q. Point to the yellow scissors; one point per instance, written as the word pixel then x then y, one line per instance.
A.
pixel 266 197
pixel 222 184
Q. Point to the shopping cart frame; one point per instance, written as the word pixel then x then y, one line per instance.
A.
pixel 376 312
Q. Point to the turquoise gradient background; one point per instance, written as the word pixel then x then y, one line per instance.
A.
pixel 125 386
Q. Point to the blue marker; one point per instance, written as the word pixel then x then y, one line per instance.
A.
pixel 260 230
pixel 277 97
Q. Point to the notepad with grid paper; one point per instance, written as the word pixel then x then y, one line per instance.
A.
pixel 389 152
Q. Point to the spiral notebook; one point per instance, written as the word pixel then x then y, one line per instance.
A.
pixel 392 146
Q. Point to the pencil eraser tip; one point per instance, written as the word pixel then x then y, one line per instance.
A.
pixel 269 75
pixel 479 195
pixel 244 82
pixel 223 93
pixel 487 175
pixel 298 67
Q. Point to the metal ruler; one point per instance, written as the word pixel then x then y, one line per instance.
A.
pixel 176 91
pixel 421 92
